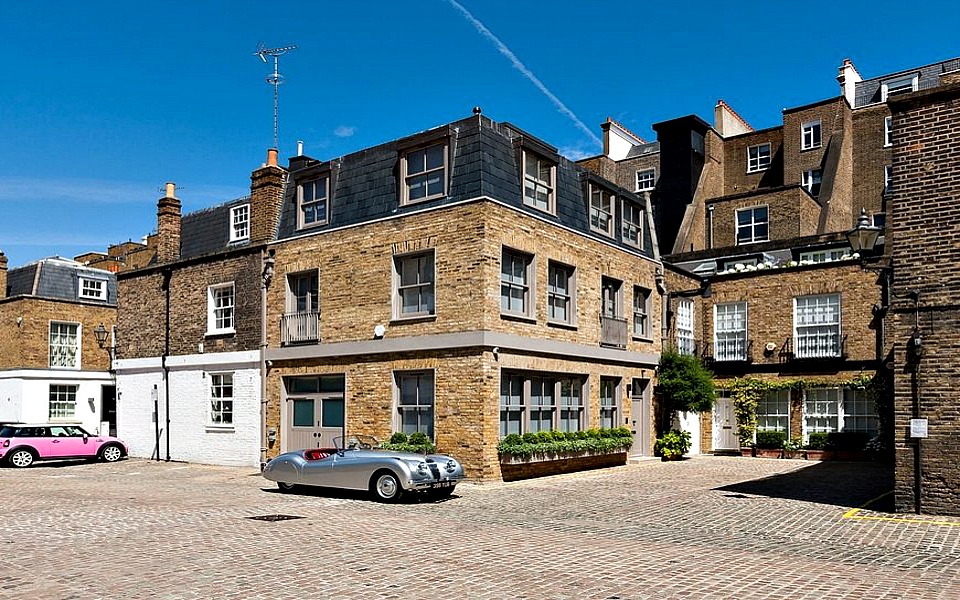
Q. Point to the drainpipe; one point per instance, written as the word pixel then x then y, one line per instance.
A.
pixel 163 359
pixel 267 260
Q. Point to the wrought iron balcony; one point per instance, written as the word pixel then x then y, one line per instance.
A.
pixel 613 332
pixel 300 328
pixel 828 345
pixel 729 350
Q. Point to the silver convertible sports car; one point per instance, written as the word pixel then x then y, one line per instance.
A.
pixel 356 463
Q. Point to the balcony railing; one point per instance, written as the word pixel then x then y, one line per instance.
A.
pixel 729 350
pixel 818 346
pixel 300 328
pixel 613 332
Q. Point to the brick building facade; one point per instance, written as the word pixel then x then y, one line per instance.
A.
pixel 51 366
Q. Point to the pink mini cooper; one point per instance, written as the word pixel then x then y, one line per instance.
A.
pixel 21 444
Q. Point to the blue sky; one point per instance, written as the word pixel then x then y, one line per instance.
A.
pixel 103 102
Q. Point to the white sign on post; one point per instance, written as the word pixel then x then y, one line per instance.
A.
pixel 918 428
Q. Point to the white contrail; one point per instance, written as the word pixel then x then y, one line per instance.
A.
pixel 526 72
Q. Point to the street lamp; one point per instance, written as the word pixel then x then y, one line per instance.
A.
pixel 100 332
pixel 863 238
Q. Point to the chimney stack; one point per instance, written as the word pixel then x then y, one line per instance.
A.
pixel 3 275
pixel 848 78
pixel 266 198
pixel 168 226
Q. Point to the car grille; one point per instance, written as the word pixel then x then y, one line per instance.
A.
pixel 434 469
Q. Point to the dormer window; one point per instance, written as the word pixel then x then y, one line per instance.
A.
pixel 900 85
pixel 313 202
pixel 240 223
pixel 631 218
pixel 601 210
pixel 539 182
pixel 758 158
pixel 424 173
pixel 93 289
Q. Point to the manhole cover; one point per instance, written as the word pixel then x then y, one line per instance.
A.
pixel 273 518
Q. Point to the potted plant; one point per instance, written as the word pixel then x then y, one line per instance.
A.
pixel 770 443
pixel 672 445
pixel 793 448
pixel 817 447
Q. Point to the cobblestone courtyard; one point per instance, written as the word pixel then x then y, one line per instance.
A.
pixel 708 527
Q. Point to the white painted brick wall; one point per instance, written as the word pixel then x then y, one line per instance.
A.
pixel 192 438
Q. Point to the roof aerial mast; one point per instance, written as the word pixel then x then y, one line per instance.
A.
pixel 274 79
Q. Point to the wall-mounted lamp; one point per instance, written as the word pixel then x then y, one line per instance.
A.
pixel 100 332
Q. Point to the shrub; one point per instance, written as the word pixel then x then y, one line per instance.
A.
pixel 513 439
pixel 418 438
pixel 593 434
pixel 793 444
pixel 817 441
pixel 672 444
pixel 771 439
pixel 572 435
pixel 547 442
pixel 398 438
pixel 530 438
pixel 544 437
pixel 684 383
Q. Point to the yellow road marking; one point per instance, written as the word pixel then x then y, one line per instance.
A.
pixel 853 513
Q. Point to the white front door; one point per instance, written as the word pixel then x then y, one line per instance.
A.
pixel 724 423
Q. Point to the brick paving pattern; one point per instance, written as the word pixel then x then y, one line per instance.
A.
pixel 708 527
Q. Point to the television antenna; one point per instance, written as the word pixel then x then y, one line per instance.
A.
pixel 274 79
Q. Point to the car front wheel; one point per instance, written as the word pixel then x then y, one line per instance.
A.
pixel 111 453
pixel 21 458
pixel 386 487
pixel 286 487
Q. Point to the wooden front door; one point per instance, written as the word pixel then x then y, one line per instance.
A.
pixel 724 423
pixel 314 421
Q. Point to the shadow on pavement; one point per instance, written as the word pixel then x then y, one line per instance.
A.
pixel 847 484
pixel 337 493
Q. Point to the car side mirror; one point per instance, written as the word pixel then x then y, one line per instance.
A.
pixel 86 438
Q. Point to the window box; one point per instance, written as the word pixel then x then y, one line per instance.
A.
pixel 555 462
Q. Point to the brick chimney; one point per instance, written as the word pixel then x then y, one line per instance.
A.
pixel 266 198
pixel 168 226
pixel 848 78
pixel 3 275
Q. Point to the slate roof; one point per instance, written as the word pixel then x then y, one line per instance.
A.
pixel 644 149
pixel 57 278
pixel 208 230
pixel 484 162
pixel 869 91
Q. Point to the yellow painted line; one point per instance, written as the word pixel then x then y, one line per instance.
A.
pixel 853 513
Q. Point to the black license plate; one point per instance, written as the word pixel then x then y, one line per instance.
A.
pixel 443 484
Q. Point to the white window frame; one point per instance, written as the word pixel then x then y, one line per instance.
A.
pixel 757 159
pixel 62 402
pixel 686 342
pixel 522 281
pixel 602 209
pixel 773 411
pixel 512 406
pixel 820 407
pixel 899 85
pixel 424 284
pixel 307 198
pixel 641 312
pixel 240 223
pixel 887 132
pixel 858 412
pixel 752 225
pixel 561 295
pixel 534 184
pixel 887 178
pixel 823 256
pixel 631 223
pixel 92 289
pixel 811 135
pixel 68 353
pixel 819 335
pixel 218 414
pixel 217 312
pixel 424 405
pixel 730 326
pixel 646 179
pixel 811 181
pixel 424 175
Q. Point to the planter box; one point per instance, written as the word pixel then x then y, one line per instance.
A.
pixel 769 452
pixel 513 468
pixel 796 454
pixel 819 454
pixel 746 451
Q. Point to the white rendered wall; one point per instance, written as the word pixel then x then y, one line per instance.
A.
pixel 690 421
pixel 192 437
pixel 25 395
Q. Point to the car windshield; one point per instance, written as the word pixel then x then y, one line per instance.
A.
pixel 356 442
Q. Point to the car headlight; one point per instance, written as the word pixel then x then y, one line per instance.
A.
pixel 423 469
pixel 451 466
